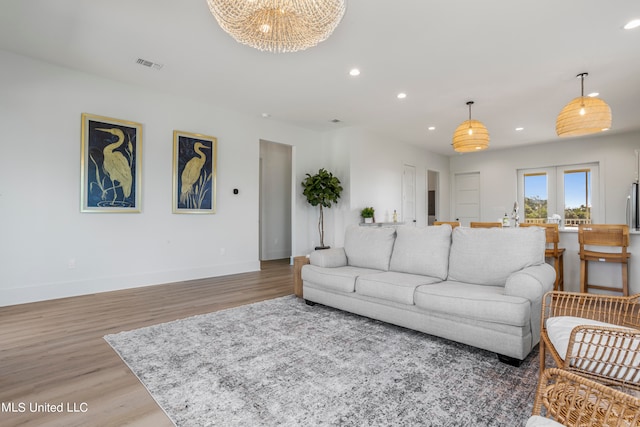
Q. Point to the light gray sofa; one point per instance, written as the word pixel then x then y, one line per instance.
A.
pixel 478 286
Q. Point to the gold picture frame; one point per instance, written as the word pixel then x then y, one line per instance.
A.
pixel 110 165
pixel 195 158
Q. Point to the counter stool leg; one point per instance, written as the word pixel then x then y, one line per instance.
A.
pixel 561 270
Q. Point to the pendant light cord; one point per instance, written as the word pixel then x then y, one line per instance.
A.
pixel 582 76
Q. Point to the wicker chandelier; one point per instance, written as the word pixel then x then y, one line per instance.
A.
pixel 471 135
pixel 583 115
pixel 278 25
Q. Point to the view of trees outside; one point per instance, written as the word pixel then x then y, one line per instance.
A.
pixel 535 197
pixel 577 190
pixel 577 197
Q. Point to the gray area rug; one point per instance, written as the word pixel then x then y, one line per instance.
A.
pixel 281 362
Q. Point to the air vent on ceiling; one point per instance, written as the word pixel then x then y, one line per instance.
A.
pixel 149 64
pixel 335 120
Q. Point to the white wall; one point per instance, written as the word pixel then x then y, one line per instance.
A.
pixel 42 229
pixel 616 155
pixel 498 177
pixel 373 177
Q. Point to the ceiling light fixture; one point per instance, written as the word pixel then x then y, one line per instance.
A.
pixel 354 72
pixel 402 95
pixel 583 115
pixel 471 135
pixel 278 25
pixel 635 23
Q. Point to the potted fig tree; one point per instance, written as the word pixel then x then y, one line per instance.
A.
pixel 322 189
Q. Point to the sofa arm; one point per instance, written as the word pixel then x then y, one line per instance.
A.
pixel 532 283
pixel 333 257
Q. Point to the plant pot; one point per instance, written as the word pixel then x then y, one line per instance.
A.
pixel 368 220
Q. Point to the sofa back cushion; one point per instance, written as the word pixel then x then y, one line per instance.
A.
pixel 369 247
pixel 423 251
pixel 487 256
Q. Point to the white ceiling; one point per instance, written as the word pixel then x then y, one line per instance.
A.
pixel 516 59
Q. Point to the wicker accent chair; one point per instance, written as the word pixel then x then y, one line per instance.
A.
pixel 596 336
pixel 574 401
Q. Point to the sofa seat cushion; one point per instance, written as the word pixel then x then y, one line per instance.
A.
pixel 422 251
pixel 391 286
pixel 485 303
pixel 488 256
pixel 341 279
pixel 559 332
pixel 369 247
pixel 539 421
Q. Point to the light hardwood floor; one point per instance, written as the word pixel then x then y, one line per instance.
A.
pixel 53 352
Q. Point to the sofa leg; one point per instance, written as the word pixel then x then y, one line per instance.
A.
pixel 509 360
pixel 311 303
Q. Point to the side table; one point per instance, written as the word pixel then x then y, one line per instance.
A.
pixel 298 262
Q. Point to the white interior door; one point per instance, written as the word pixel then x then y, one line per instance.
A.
pixel 409 195
pixel 467 197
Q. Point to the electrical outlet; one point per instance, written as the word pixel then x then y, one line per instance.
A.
pixel 223 251
pixel 72 263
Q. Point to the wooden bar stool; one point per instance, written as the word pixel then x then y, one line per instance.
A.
pixel 611 235
pixel 553 251
pixel 485 224
pixel 453 224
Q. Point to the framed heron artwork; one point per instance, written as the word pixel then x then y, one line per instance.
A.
pixel 111 161
pixel 194 173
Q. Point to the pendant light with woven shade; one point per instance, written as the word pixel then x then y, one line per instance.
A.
pixel 471 135
pixel 583 115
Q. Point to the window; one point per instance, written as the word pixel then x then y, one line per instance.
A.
pixel 570 192
pixel 577 197
pixel 535 197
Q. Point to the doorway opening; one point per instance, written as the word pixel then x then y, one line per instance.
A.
pixel 433 204
pixel 275 201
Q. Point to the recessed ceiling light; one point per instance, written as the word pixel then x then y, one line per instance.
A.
pixel 632 24
pixel 402 95
pixel 593 94
pixel 354 72
pixel 519 129
pixel 266 115
pixel 432 128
